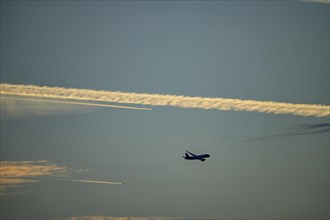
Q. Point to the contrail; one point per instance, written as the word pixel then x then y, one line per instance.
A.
pixel 79 103
pixel 222 104
pixel 303 129
pixel 100 182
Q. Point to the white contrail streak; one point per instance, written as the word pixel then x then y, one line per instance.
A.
pixel 166 100
pixel 100 182
pixel 78 103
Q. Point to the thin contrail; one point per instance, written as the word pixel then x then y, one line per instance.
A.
pixel 167 100
pixel 100 182
pixel 79 103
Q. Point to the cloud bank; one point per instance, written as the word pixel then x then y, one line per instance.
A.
pixel 222 104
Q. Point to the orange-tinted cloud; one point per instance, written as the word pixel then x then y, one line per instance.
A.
pixel 13 174
pixel 222 104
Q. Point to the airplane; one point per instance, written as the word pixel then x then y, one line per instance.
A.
pixel 195 157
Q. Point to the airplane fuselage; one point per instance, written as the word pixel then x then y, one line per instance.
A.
pixel 195 157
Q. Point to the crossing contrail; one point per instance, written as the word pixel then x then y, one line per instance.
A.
pixel 222 104
pixel 100 182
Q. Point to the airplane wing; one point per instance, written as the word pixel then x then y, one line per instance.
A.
pixel 191 154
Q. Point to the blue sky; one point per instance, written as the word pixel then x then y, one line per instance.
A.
pixel 261 165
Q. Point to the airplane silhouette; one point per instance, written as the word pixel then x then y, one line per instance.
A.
pixel 195 157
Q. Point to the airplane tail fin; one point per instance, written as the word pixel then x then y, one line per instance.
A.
pixel 187 155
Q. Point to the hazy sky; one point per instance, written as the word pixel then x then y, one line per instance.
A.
pixel 261 165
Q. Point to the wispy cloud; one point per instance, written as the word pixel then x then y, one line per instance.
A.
pixel 14 106
pixel 16 173
pixel 222 104
pixel 303 129
pixel 78 103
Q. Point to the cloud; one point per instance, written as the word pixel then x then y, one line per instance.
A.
pixel 222 104
pixel 16 173
pixel 303 129
pixel 78 103
pixel 13 106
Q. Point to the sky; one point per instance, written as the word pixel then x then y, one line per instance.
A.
pixel 75 156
